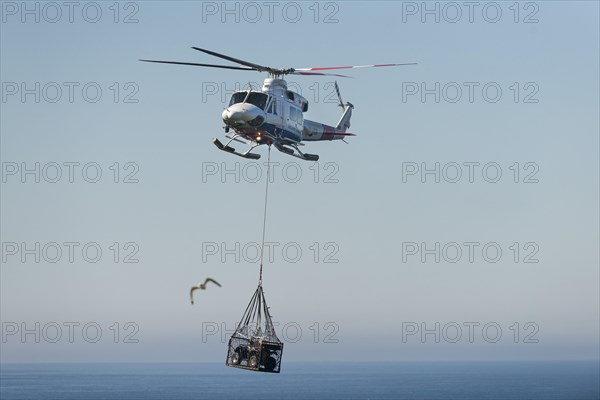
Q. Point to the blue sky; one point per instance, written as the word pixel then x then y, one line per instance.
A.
pixel 363 205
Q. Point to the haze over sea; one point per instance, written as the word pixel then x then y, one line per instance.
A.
pixel 385 380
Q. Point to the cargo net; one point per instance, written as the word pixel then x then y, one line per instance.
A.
pixel 254 344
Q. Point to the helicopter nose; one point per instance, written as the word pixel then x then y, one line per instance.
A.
pixel 243 114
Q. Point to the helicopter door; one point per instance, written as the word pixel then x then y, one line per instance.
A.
pixel 300 120
pixel 289 116
pixel 294 118
pixel 274 113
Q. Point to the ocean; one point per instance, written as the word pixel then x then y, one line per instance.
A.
pixel 385 380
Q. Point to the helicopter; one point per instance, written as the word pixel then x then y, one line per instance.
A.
pixel 274 115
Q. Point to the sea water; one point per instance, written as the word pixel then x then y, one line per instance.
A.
pixel 385 380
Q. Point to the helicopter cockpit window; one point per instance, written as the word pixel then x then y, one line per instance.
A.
pixel 254 98
pixel 237 98
pixel 258 99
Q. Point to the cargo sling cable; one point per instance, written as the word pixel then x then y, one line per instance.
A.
pixel 254 345
pixel 262 247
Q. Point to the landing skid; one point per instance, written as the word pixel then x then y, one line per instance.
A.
pixel 297 153
pixel 229 149
pixel 292 150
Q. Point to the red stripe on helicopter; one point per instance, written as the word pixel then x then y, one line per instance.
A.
pixel 346 67
pixel 328 132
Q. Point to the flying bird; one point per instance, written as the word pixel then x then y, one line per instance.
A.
pixel 202 286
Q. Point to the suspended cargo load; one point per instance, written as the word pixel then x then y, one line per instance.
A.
pixel 254 344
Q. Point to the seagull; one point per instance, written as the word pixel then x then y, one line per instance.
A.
pixel 202 286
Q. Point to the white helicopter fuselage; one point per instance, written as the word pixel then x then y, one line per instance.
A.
pixel 278 113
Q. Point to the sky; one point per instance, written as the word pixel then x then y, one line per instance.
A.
pixel 461 223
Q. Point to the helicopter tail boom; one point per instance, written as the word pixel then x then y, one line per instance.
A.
pixel 314 131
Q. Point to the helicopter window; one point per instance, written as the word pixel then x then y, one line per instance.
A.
pixel 237 97
pixel 258 99
pixel 254 98
pixel 272 107
pixel 290 95
pixel 277 106
pixel 295 114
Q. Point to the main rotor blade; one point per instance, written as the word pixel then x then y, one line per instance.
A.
pixel 235 60
pixel 201 65
pixel 351 66
pixel 296 72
